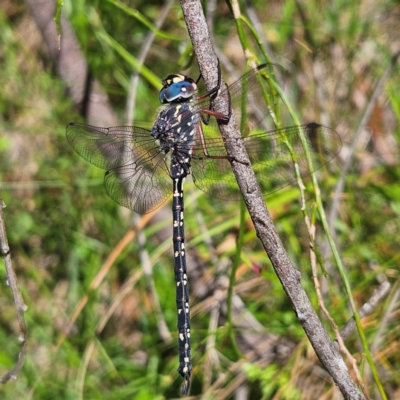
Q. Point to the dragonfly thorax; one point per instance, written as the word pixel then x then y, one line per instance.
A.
pixel 174 132
pixel 175 125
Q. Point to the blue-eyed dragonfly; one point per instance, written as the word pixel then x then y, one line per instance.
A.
pixel 145 167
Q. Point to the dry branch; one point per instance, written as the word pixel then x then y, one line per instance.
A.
pixel 288 275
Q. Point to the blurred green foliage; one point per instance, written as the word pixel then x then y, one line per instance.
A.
pixel 62 226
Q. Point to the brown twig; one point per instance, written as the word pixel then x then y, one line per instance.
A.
pixel 313 258
pixel 18 300
pixel 71 65
pixel 366 309
pixel 288 275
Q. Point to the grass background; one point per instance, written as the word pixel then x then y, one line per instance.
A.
pixel 62 227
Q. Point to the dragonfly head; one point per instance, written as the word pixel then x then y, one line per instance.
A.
pixel 177 88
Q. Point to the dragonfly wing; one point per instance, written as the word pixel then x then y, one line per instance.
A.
pixel 272 154
pixel 253 99
pixel 137 188
pixel 137 176
pixel 109 148
pixel 212 173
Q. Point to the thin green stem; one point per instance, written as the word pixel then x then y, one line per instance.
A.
pixel 236 262
pixel 57 19
pixel 140 17
pixel 348 290
pixel 104 37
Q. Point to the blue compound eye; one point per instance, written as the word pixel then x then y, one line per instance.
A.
pixel 177 91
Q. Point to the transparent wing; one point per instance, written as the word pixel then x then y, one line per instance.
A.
pixel 256 90
pixel 271 155
pixel 137 176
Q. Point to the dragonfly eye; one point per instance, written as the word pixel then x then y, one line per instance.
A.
pixel 177 88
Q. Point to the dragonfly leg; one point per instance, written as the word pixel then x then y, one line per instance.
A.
pixel 206 113
pixel 213 157
pixel 220 116
pixel 214 89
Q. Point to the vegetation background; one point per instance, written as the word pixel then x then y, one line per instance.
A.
pixel 63 229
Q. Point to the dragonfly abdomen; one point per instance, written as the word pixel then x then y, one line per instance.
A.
pixel 181 279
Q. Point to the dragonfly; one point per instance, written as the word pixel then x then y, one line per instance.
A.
pixel 145 167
